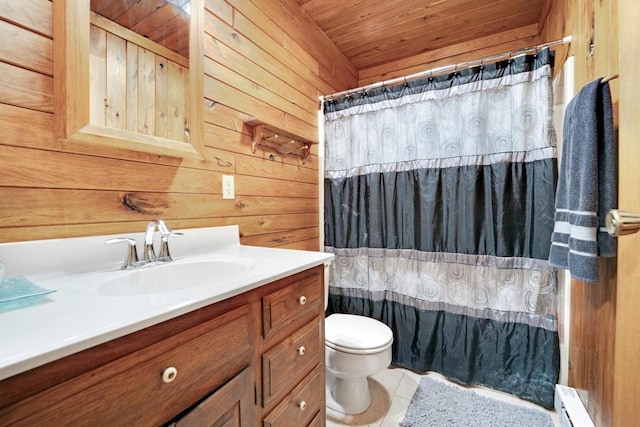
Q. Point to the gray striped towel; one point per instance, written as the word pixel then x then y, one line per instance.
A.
pixel 587 184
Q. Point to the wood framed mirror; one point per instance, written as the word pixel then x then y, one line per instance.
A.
pixel 116 88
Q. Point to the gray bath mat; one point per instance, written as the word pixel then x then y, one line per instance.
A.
pixel 438 404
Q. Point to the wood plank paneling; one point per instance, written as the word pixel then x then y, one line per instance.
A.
pixel 34 15
pixel 64 207
pixel 282 238
pixel 264 67
pixel 26 49
pixel 28 168
pixel 162 99
pixel 98 81
pixel 25 88
pixel 260 186
pixel 257 167
pixel 626 409
pixel 262 92
pixel 38 134
pixel 146 91
pixel 494 44
pixel 221 9
pixel 262 23
pixel 116 77
pixel 159 21
pixel 177 101
pixel 405 42
pixel 378 31
pixel 228 59
pixel 335 68
pixel 223 33
pixel 249 226
pixel 306 245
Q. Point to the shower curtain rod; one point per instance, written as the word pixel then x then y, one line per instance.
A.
pixel 439 70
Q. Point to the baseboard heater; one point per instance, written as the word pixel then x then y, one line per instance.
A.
pixel 570 408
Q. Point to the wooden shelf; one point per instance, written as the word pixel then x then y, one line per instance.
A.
pixel 282 142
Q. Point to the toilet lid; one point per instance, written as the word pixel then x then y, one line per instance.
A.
pixel 356 334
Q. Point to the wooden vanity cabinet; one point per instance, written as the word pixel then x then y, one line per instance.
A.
pixel 293 375
pixel 219 365
pixel 231 405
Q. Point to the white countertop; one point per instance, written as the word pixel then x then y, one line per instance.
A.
pixel 78 316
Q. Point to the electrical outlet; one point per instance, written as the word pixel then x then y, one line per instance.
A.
pixel 228 191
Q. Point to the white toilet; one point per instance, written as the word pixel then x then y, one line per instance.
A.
pixel 356 347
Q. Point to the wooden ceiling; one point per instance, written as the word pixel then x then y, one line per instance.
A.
pixel 373 32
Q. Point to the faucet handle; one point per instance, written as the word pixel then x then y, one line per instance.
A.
pixel 165 256
pixel 132 254
pixel 165 230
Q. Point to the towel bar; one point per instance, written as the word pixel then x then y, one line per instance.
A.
pixel 619 223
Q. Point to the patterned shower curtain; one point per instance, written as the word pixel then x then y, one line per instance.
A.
pixel 439 201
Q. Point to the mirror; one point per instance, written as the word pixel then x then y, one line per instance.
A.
pixel 129 74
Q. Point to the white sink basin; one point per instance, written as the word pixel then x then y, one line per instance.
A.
pixel 173 276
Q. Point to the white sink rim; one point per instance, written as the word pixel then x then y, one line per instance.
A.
pixel 162 278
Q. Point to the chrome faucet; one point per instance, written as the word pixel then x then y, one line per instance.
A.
pixel 131 261
pixel 165 233
pixel 149 253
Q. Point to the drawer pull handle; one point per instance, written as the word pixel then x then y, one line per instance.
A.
pixel 302 405
pixel 301 350
pixel 169 374
pixel 302 300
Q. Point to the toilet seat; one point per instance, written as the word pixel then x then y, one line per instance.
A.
pixel 354 334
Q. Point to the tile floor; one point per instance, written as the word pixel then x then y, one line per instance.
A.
pixel 391 393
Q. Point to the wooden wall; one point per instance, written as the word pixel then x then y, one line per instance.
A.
pixel 269 62
pixel 627 327
pixel 594 26
pixel 146 84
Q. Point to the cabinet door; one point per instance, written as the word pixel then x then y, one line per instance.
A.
pixel 231 405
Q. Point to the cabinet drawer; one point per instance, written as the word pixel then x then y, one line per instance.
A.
pixel 287 363
pixel 292 305
pixel 317 420
pixel 302 405
pixel 132 391
pixel 231 405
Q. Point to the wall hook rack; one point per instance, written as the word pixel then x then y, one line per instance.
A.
pixel 284 143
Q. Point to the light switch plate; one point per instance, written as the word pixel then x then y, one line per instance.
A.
pixel 228 190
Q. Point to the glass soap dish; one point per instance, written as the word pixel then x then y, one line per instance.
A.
pixel 19 292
